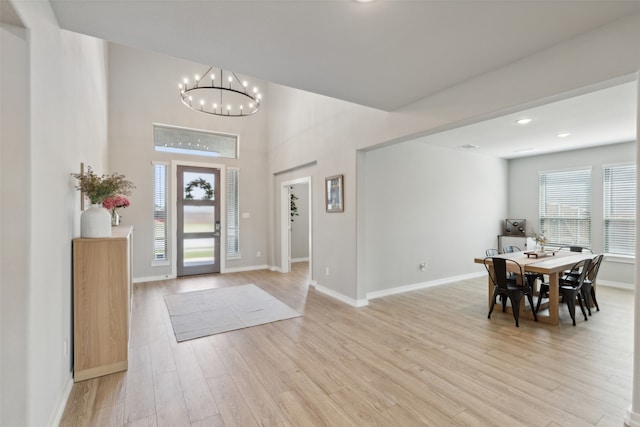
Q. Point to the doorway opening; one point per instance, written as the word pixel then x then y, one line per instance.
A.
pixel 295 219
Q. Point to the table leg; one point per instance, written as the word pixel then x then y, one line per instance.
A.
pixel 490 290
pixel 554 298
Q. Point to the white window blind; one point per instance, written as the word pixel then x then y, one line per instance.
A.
pixel 620 209
pixel 565 207
pixel 160 212
pixel 233 215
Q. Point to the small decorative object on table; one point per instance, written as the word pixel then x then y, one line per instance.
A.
pixel 113 204
pixel 96 221
pixel 540 240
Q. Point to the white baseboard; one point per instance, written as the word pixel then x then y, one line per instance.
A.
pixel 619 285
pixel 248 268
pixel 632 419
pixel 300 259
pixel 153 278
pixel 56 416
pixel 336 295
pixel 226 270
pixel 423 285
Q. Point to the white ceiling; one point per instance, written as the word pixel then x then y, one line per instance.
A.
pixel 600 117
pixel 383 54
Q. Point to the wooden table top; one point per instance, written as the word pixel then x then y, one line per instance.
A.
pixel 548 264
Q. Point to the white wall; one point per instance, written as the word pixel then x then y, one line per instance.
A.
pixel 429 204
pixel 523 194
pixel 307 128
pixel 144 90
pixel 14 214
pixel 66 97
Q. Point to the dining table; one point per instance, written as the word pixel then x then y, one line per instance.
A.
pixel 551 264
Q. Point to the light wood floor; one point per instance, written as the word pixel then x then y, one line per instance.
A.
pixel 424 358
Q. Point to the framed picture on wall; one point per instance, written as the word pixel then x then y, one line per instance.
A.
pixel 334 193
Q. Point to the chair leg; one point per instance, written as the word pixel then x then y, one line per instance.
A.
pixel 503 298
pixel 593 297
pixel 530 296
pixel 584 313
pixel 571 305
pixel 515 307
pixel 493 303
pixel 543 291
pixel 585 296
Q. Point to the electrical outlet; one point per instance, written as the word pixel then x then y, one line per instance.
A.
pixel 258 253
pixel 65 347
pixel 422 266
pixel 326 271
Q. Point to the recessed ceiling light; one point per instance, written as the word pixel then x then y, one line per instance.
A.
pixel 563 135
pixel 524 121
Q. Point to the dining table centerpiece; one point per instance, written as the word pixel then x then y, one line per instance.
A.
pixel 96 221
pixel 540 240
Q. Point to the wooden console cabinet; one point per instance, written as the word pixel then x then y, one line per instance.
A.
pixel 101 303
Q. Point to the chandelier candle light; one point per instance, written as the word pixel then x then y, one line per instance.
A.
pixel 220 93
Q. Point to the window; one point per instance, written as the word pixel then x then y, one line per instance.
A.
pixel 173 139
pixel 160 212
pixel 233 216
pixel 565 207
pixel 619 195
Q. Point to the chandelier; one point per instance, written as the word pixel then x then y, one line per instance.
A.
pixel 221 93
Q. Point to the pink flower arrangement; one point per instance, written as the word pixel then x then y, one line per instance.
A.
pixel 113 203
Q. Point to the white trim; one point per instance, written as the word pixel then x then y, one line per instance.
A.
pixel 423 285
pixel 247 268
pixel 153 278
pixel 56 416
pixel 632 419
pixel 300 259
pixel 613 165
pixel 621 259
pixel 618 285
pixel 342 298
pixel 160 263
pixel 570 169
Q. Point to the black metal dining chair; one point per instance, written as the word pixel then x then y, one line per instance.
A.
pixel 531 277
pixel 588 289
pixel 509 282
pixel 570 288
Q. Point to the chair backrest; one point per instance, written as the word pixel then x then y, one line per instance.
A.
pixel 579 272
pixel 503 271
pixel 510 249
pixel 491 252
pixel 594 267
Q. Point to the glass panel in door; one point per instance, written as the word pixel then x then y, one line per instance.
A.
pixel 198 220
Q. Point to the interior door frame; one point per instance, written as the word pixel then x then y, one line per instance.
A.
pixel 285 224
pixel 174 211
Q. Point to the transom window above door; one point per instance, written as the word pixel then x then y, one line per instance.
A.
pixel 173 139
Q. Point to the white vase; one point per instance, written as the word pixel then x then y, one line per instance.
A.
pixel 95 222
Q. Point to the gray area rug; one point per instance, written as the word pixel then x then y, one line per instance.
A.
pixel 212 311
